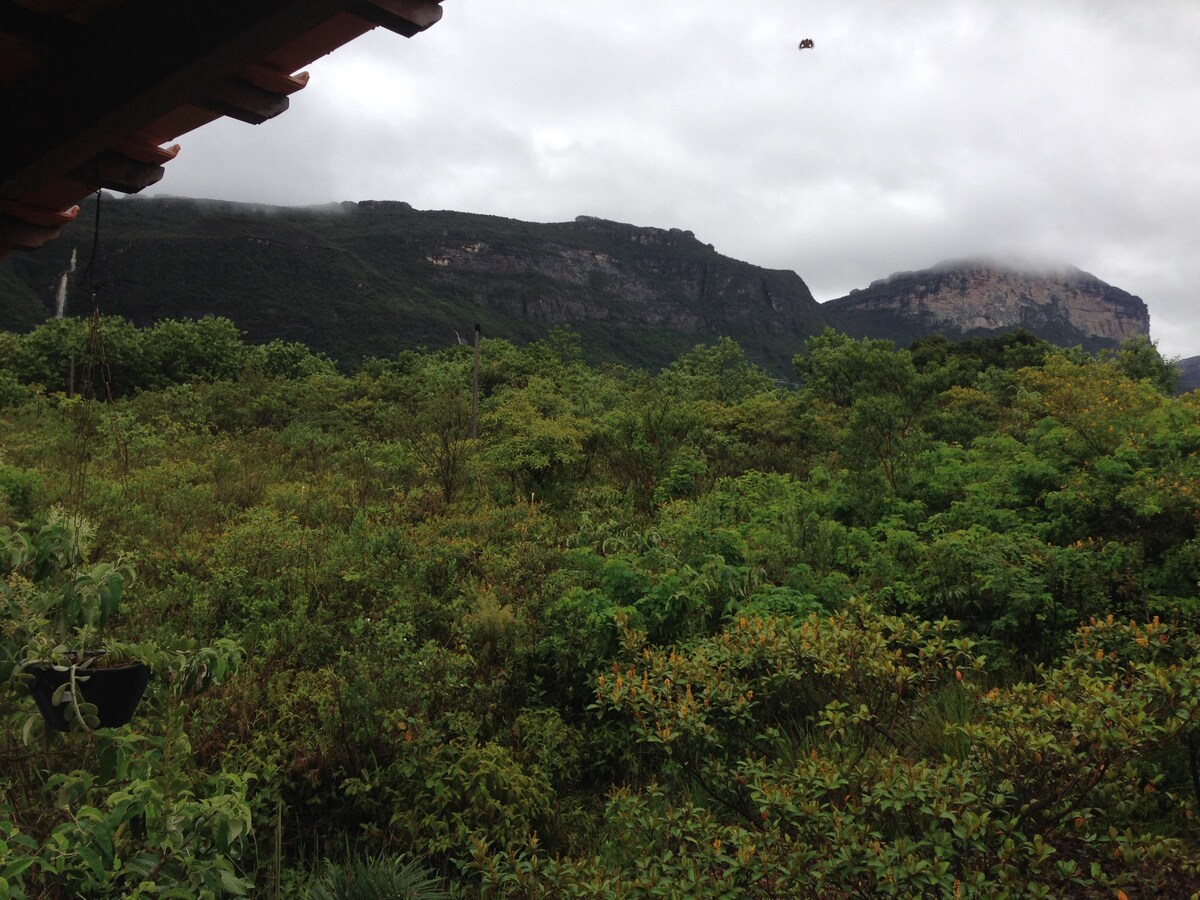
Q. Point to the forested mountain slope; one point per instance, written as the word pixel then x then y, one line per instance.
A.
pixel 370 279
pixel 373 278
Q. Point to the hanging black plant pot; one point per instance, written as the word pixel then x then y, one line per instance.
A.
pixel 114 691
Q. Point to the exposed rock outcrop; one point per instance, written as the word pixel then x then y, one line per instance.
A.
pixel 376 277
pixel 966 297
pixel 593 269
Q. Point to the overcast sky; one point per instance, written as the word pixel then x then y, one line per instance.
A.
pixel 912 132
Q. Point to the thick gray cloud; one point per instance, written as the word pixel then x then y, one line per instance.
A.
pixel 911 133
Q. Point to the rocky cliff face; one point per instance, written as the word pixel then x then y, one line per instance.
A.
pixel 593 269
pixel 376 277
pixel 1064 305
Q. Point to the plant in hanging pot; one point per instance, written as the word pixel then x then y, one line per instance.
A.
pixel 54 610
pixel 105 812
pixel 83 690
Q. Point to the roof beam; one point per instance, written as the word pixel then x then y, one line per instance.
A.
pixel 404 17
pixel 117 172
pixel 53 32
pixel 243 101
pixel 16 234
pixel 118 80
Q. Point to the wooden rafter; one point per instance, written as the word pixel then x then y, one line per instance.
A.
pixel 90 88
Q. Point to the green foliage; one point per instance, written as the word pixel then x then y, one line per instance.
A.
pixel 884 397
pixel 1138 358
pixel 283 359
pixel 130 816
pixel 692 634
pixel 16 857
pixel 46 597
pixel 718 373
pixel 123 359
pixel 149 830
pixel 17 491
pixel 12 392
pixel 802 766
pixel 533 437
pixel 375 879
pixel 178 351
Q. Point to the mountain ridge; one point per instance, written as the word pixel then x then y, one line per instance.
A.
pixel 374 277
pixel 980 295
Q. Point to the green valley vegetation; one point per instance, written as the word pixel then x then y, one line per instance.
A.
pixel 925 624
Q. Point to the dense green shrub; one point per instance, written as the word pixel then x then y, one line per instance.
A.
pixel 686 634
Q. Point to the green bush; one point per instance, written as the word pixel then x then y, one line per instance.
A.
pixel 375 879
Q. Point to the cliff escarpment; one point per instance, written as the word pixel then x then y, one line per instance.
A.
pixel 377 277
pixel 373 278
pixel 974 297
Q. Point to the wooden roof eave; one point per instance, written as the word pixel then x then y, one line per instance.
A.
pixel 104 109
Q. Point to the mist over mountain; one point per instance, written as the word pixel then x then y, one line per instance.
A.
pixel 970 297
pixel 377 277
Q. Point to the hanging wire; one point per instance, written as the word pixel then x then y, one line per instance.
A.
pixel 95 355
pixel 89 271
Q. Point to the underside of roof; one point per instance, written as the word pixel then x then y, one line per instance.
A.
pixel 93 92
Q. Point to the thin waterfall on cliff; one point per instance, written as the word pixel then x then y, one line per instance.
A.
pixel 60 298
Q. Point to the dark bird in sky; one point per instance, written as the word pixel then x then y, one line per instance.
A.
pixel 806 44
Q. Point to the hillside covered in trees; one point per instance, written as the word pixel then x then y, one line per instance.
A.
pixel 379 277
pixel 375 278
pixel 925 625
